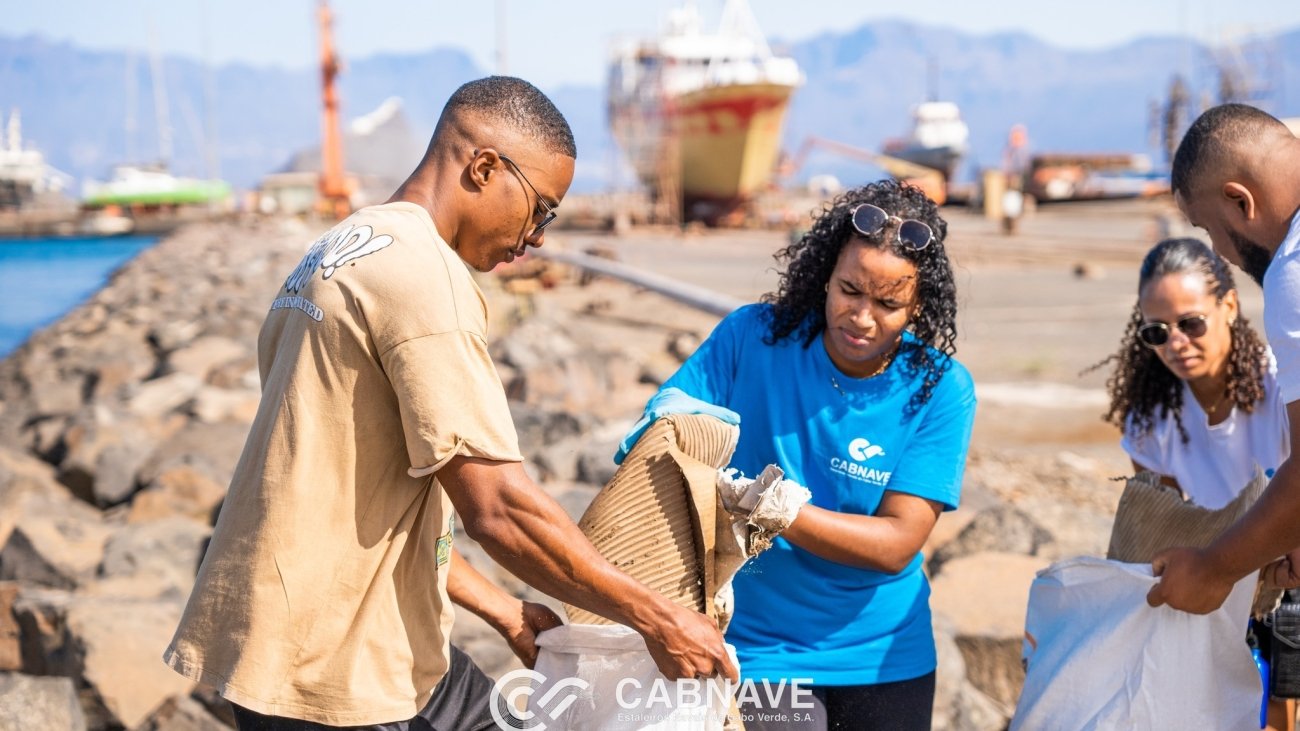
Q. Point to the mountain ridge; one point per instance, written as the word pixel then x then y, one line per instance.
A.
pixel 861 84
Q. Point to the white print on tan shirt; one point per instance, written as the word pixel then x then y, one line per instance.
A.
pixel 337 247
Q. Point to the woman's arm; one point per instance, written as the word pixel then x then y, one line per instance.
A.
pixel 886 541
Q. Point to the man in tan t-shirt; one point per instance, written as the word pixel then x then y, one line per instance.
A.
pixel 322 599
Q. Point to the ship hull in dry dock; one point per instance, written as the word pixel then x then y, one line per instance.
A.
pixel 730 137
pixel 727 139
pixel 943 159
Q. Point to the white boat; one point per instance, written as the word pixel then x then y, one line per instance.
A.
pixel 939 139
pixel 23 171
pixel 699 114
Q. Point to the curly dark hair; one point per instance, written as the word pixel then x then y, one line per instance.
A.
pixel 799 303
pixel 1141 383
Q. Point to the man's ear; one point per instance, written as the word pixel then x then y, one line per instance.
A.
pixel 482 165
pixel 1240 197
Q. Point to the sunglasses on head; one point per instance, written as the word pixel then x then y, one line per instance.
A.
pixel 870 220
pixel 1156 334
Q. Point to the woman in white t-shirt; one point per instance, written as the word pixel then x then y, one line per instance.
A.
pixel 1194 387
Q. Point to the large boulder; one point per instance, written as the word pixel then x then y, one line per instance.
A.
pixel 166 550
pixel 212 404
pixel 119 645
pixel 959 705
pixel 205 354
pixel 29 703
pixel 180 490
pixel 155 398
pixel 983 597
pixel 210 450
pixel 56 542
pixel 105 457
pixel 42 621
pixel 20 475
pixel 1005 529
pixel 540 428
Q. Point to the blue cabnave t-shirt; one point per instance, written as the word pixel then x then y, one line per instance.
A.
pixel 848 441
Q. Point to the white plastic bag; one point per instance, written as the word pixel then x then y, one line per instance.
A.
pixel 1098 657
pixel 619 687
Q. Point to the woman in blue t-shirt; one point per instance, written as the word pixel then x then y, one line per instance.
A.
pixel 844 378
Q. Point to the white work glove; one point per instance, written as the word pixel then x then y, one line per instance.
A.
pixel 768 502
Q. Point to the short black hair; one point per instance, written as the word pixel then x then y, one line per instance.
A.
pixel 1211 139
pixel 520 105
pixel 799 303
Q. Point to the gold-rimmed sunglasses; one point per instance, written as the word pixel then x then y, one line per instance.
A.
pixel 1156 334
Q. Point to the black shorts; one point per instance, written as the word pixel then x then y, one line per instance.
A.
pixel 902 706
pixel 459 703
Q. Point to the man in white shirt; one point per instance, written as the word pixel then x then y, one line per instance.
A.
pixel 1237 176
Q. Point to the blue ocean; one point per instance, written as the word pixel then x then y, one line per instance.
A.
pixel 42 279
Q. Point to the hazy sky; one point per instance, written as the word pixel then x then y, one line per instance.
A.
pixel 565 41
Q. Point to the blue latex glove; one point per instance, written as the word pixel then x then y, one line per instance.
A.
pixel 670 401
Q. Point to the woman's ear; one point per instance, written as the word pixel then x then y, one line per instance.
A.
pixel 1230 306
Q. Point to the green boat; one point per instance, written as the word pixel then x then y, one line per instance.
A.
pixel 133 186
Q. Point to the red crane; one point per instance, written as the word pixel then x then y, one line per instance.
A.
pixel 335 192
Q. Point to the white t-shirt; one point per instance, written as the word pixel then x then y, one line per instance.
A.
pixel 1282 311
pixel 1217 461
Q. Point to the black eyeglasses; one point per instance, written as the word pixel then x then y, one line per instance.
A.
pixel 1156 334
pixel 545 209
pixel 869 220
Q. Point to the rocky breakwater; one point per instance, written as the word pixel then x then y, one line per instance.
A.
pixel 120 427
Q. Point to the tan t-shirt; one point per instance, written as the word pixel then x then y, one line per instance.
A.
pixel 323 595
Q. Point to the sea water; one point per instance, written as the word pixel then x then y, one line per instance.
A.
pixel 41 279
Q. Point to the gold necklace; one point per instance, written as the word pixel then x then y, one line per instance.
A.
pixel 889 358
pixel 1214 409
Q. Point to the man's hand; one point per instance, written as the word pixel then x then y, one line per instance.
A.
pixel 1284 573
pixel 687 644
pixel 1188 581
pixel 519 622
pixel 522 630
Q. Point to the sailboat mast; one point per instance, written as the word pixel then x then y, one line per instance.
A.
pixel 131 102
pixel 160 101
pixel 209 102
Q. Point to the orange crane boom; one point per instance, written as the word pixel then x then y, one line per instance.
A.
pixel 335 198
pixel 927 179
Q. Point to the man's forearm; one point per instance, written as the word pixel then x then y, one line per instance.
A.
pixel 1268 530
pixel 530 535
